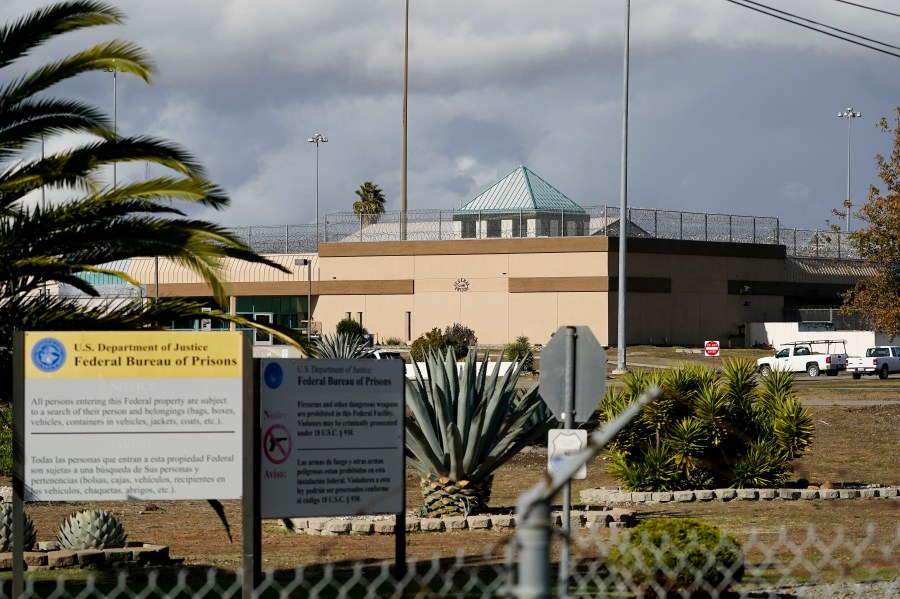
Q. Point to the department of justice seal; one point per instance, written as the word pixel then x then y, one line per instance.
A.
pixel 48 355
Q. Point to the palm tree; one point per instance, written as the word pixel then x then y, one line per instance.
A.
pixel 97 223
pixel 370 203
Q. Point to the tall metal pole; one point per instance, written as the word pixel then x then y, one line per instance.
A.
pixel 621 365
pixel 568 424
pixel 849 114
pixel 115 117
pixel 308 299
pixel 315 139
pixel 405 89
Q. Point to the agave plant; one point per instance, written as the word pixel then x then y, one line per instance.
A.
pixel 6 527
pixel 341 346
pixel 91 529
pixel 464 425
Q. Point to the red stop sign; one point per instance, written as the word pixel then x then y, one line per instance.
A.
pixel 711 348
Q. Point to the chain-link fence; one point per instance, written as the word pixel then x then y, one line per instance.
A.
pixel 437 225
pixel 785 563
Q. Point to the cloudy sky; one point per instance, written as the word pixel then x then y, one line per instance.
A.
pixel 731 111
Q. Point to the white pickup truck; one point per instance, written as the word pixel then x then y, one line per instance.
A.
pixel 800 356
pixel 881 360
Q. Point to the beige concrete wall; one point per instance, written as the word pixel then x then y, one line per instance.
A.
pixel 384 315
pixel 684 297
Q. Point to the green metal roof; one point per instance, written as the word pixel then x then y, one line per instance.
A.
pixel 521 190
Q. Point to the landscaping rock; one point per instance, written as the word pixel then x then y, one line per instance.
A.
pixel 767 494
pixel 594 496
pixel 705 495
pixel 662 497
pixel 384 527
pixel 684 496
pixel 747 494
pixel 829 494
pixel 90 556
pixel 456 523
pixel 789 494
pixel 809 494
pixel 362 527
pixel 848 493
pixel 432 524
pixel 478 522
pixel 502 522
pixel 38 558
pixel 336 527
pixel 63 558
pixel 725 494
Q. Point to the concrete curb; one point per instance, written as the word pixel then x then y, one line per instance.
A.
pixel 50 557
pixel 601 517
pixel 603 496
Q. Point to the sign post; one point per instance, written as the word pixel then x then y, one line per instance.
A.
pixel 573 379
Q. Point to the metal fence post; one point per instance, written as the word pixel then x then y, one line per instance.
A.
pixel 534 558
pixel 360 227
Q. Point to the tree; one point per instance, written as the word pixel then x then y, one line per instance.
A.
pixel 876 298
pixel 370 202
pixel 99 223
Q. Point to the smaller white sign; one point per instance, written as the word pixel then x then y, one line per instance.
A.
pixel 562 443
pixel 711 348
pixel 332 437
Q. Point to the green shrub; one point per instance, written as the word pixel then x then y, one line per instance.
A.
pixel 677 555
pixel 348 326
pixel 460 338
pixel 432 341
pixel 393 342
pixel 521 349
pixel 457 336
pixel 708 429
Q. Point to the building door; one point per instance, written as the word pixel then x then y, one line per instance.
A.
pixel 262 337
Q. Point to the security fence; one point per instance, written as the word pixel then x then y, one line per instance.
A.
pixel 437 225
pixel 785 563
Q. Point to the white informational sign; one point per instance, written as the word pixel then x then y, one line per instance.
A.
pixel 332 436
pixel 562 443
pixel 711 348
pixel 149 415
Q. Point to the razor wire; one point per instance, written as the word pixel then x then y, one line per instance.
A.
pixel 451 225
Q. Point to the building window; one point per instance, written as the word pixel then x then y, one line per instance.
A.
pixel 285 311
pixel 468 229
pixel 409 326
pixel 493 228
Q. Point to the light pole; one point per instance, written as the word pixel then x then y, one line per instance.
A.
pixel 316 139
pixel 115 110
pixel 405 89
pixel 621 364
pixel 848 114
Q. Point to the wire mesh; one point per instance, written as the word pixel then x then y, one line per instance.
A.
pixel 441 225
pixel 784 563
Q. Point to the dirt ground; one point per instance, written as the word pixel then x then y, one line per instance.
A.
pixel 854 443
